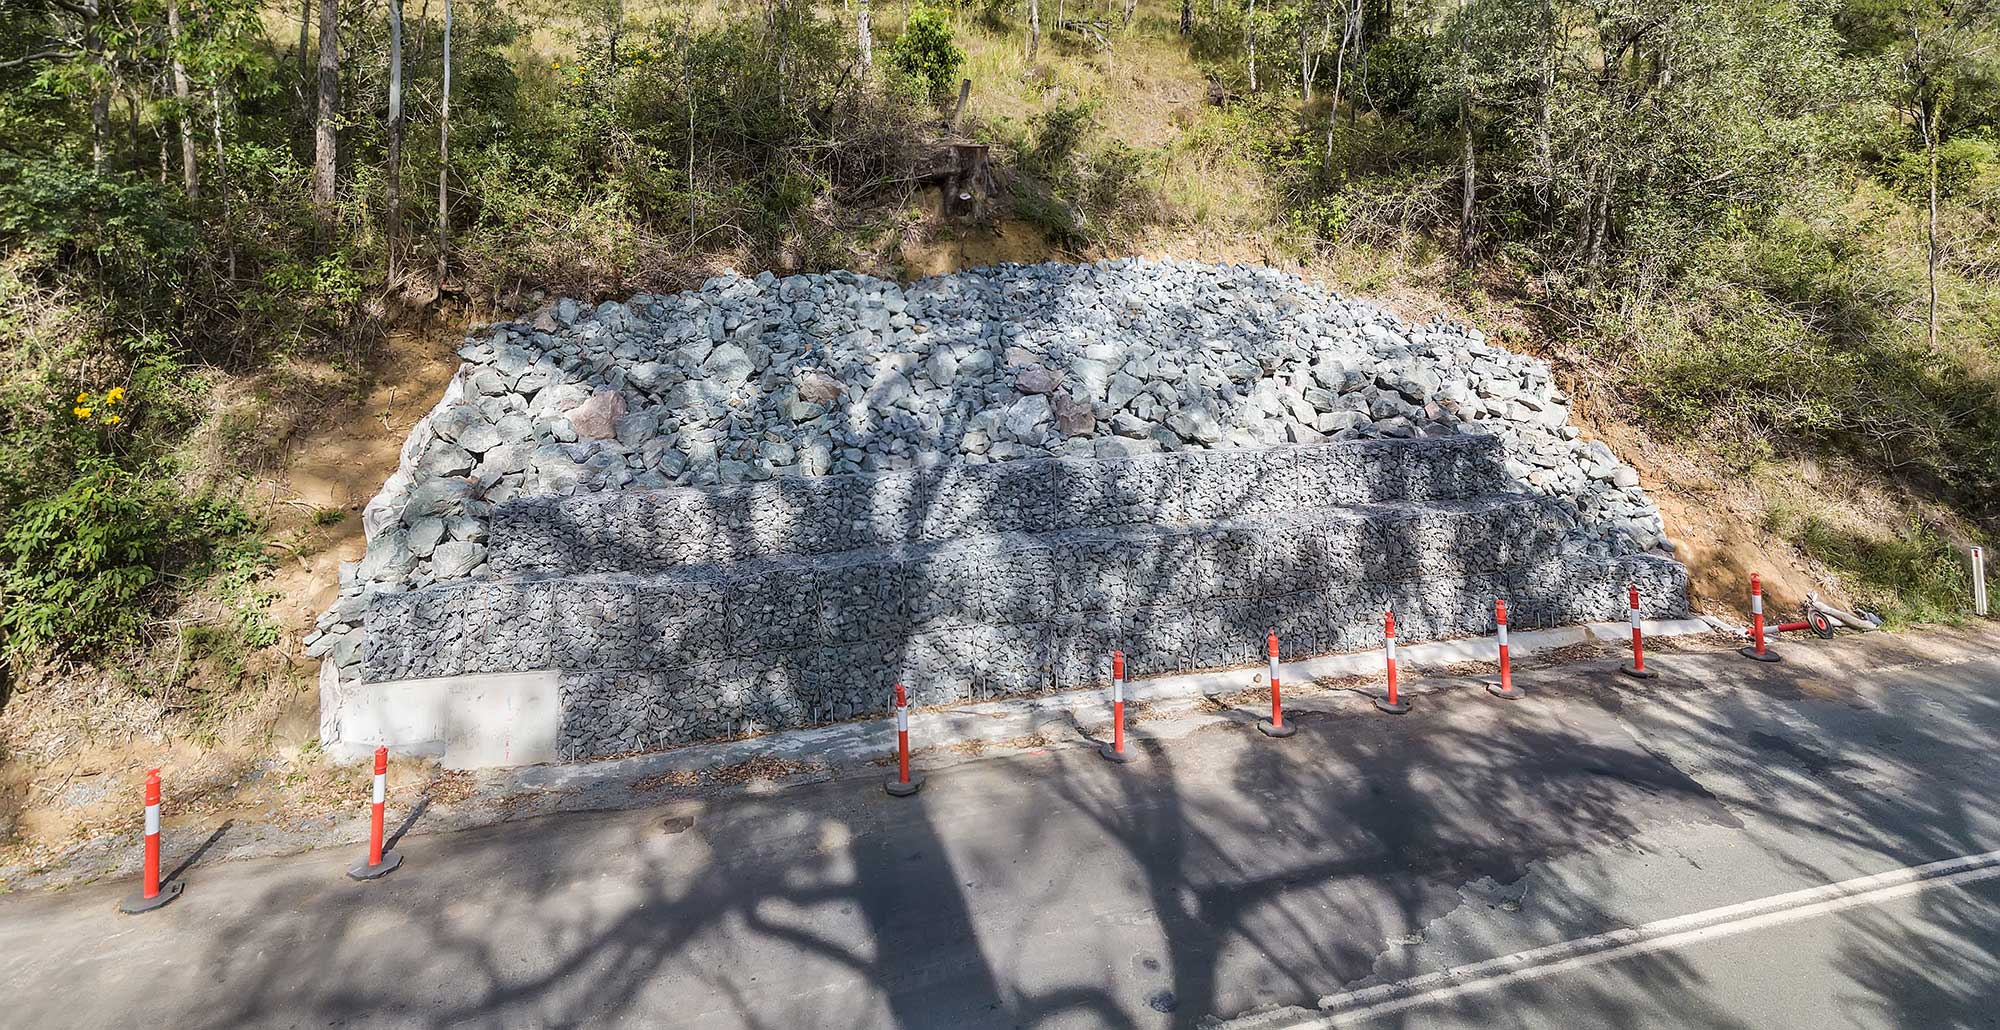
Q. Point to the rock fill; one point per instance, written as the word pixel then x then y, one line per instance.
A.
pixel 747 379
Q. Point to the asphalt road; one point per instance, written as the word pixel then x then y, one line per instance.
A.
pixel 1225 875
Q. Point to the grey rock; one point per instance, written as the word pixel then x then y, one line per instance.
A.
pixel 455 559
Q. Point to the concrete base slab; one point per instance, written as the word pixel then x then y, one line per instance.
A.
pixel 391 861
pixel 138 903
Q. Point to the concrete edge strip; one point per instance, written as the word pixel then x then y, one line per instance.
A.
pixel 1659 935
pixel 1358 663
pixel 993 721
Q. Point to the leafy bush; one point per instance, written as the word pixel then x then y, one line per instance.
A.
pixel 82 563
pixel 1915 576
pixel 122 228
pixel 1961 164
pixel 926 55
pixel 1074 190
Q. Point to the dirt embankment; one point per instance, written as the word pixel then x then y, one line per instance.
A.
pixel 77 742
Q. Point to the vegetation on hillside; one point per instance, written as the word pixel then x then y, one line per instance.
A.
pixel 1769 224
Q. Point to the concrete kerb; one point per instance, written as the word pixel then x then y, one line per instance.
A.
pixel 1056 720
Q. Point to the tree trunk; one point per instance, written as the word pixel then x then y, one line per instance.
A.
pixel 100 97
pixel 1187 17
pixel 190 173
pixel 1467 236
pixel 867 41
pixel 1250 41
pixel 1544 97
pixel 1305 62
pixel 1339 72
pixel 392 176
pixel 1034 27
pixel 1468 158
pixel 617 29
pixel 444 156
pixel 222 100
pixel 1927 120
pixel 1361 58
pixel 305 49
pixel 326 123
pixel 1600 223
pixel 1131 7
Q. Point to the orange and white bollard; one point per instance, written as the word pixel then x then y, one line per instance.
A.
pixel 150 895
pixel 1637 670
pixel 905 783
pixel 1115 751
pixel 380 863
pixel 1756 649
pixel 1276 726
pixel 1505 688
pixel 1392 704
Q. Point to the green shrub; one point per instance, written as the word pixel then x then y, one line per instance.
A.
pixel 82 564
pixel 926 55
pixel 1961 164
pixel 1915 576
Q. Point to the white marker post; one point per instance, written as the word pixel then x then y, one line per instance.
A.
pixel 1979 581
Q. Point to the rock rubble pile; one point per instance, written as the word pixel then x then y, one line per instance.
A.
pixel 752 378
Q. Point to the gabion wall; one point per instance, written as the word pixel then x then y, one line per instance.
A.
pixel 687 614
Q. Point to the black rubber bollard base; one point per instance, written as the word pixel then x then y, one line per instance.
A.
pixel 898 789
pixel 1269 729
pixel 1382 704
pixel 1511 693
pixel 136 904
pixel 1110 754
pixel 363 871
pixel 1638 674
pixel 1751 653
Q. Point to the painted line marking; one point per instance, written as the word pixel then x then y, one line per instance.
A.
pixel 1659 935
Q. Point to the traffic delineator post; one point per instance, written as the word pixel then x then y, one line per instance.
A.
pixel 905 782
pixel 151 895
pixel 1757 650
pixel 1115 751
pixel 1392 704
pixel 1505 688
pixel 1637 670
pixel 379 863
pixel 1275 726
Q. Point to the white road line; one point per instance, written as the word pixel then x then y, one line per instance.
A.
pixel 1660 935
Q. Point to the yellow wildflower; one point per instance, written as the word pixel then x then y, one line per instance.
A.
pixel 80 412
pixel 116 394
pixel 112 420
pixel 80 398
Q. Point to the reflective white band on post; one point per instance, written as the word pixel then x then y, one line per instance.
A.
pixel 902 720
pixel 1756 604
pixel 152 820
pixel 1392 647
pixel 1635 618
pixel 381 790
pixel 1117 690
pixel 1503 635
pixel 1274 668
